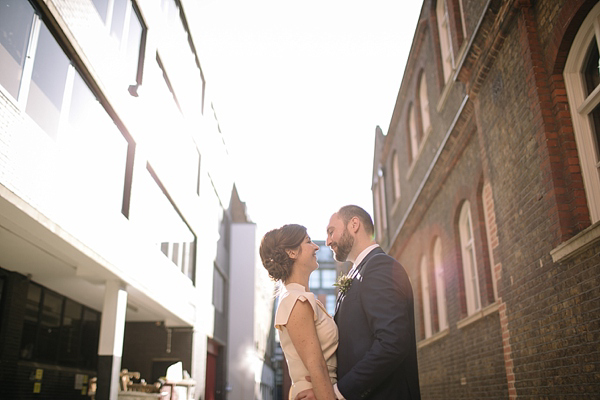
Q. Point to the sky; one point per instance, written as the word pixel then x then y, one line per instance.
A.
pixel 298 89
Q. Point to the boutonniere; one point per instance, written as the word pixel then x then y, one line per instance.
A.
pixel 343 283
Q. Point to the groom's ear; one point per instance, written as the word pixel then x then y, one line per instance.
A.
pixel 354 224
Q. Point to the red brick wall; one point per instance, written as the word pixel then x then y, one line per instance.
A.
pixel 511 147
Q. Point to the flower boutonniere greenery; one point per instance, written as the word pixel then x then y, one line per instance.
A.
pixel 343 283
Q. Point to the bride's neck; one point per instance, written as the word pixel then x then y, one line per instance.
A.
pixel 299 278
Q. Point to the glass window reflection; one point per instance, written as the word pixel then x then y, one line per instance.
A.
pixel 591 68
pixel 314 281
pixel 16 20
pixel 330 303
pixel 47 89
pixel 49 327
pixel 70 332
pixel 327 278
pixel 59 330
pixel 165 227
pixel 94 144
pixel 596 132
pixel 134 42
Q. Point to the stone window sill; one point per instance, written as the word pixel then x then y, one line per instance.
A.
pixel 433 338
pixel 577 243
pixel 492 308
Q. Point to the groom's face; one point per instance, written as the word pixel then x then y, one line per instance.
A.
pixel 339 238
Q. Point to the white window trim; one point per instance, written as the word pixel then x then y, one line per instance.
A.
pixel 471 278
pixel 487 212
pixel 424 105
pixel 377 210
pixel 581 106
pixel 440 284
pixel 460 55
pixel 426 297
pixel 396 177
pixel 492 308
pixel 434 338
pixel 462 19
pixel 27 79
pixel 412 131
pixel 445 40
pixel 27 74
pixel 380 211
pixel 577 244
pixel 383 206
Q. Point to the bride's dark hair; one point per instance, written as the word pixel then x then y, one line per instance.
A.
pixel 273 248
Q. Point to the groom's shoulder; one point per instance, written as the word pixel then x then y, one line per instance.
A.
pixel 378 256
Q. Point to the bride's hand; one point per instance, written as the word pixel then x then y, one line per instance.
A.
pixel 307 394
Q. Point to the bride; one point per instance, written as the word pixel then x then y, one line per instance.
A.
pixel 308 334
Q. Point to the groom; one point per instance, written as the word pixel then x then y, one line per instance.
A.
pixel 377 351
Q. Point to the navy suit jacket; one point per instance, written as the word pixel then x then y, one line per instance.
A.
pixel 377 351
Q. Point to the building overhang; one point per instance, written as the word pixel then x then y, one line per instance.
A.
pixel 34 246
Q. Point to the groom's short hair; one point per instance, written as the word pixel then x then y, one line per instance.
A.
pixel 350 211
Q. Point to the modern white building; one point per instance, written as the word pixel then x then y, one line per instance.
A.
pixel 250 341
pixel 114 181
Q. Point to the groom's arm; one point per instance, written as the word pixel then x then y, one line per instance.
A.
pixel 386 296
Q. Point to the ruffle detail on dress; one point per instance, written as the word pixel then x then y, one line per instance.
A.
pixel 287 302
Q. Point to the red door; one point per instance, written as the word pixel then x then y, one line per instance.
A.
pixel 211 371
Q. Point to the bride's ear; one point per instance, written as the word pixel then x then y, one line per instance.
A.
pixel 291 254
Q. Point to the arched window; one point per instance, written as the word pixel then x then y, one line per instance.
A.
pixel 440 284
pixel 424 103
pixel 396 176
pixel 412 129
pixel 582 80
pixel 383 205
pixel 445 39
pixel 380 211
pixel 469 260
pixel 426 295
pixel 491 231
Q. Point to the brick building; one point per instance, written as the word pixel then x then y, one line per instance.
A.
pixel 114 193
pixel 486 188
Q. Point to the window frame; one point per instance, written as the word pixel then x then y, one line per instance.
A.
pixel 581 106
pixel 445 37
pixel 469 259
pixel 186 263
pixel 440 284
pixel 84 347
pixel 396 177
pixel 426 297
pixel 131 9
pixel 413 135
pixel 380 206
pixel 424 105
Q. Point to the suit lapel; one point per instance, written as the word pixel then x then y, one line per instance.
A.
pixel 353 273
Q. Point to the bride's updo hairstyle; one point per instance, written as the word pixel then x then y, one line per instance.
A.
pixel 273 248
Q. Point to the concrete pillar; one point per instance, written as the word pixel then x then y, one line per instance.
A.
pixel 110 347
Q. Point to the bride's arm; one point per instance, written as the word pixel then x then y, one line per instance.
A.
pixel 303 333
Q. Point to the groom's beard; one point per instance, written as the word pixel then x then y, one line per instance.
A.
pixel 344 246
